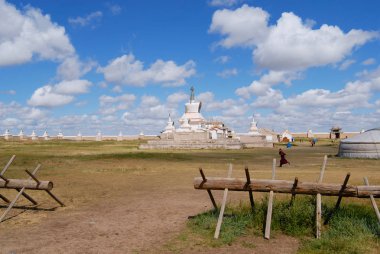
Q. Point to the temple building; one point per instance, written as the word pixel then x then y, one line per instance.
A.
pixel 195 132
pixel 256 137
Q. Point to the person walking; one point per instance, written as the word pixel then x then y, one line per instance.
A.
pixel 283 160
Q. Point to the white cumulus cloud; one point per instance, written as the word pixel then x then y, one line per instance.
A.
pixel 59 94
pixel 46 97
pixel 245 26
pixel 290 44
pixel 27 33
pixel 128 70
pixel 73 68
pixel 73 86
pixel 110 105
pixel 264 84
pixel 176 98
pixel 346 64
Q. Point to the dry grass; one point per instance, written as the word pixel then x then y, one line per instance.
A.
pixel 86 174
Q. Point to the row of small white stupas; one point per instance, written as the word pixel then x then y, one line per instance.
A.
pixel 45 136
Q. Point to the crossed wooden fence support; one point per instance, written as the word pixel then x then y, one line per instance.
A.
pixel 20 185
pixel 282 186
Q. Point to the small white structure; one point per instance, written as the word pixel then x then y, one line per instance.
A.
pixel 185 126
pixel 7 135
pixel 253 130
pixel 170 128
pixel 98 136
pixel 141 135
pixel 79 137
pixel 270 135
pixel 60 135
pixel 45 136
pixel 120 137
pixel 310 134
pixel 33 136
pixel 192 116
pixel 21 135
pixel 286 136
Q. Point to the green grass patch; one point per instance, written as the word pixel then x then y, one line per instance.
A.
pixel 352 229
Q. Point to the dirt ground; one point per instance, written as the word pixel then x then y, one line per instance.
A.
pixel 121 200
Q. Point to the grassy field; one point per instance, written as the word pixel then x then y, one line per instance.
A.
pixel 91 177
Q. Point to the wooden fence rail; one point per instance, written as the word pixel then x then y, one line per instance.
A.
pixel 283 186
pixel 291 187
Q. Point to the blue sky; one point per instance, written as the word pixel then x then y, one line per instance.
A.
pixel 124 65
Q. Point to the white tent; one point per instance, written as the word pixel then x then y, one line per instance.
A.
pixel 364 145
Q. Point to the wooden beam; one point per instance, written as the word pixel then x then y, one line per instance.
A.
pixel 55 198
pixel 318 210
pixel 270 204
pixel 33 177
pixel 220 219
pixel 208 191
pixel 12 204
pixel 374 205
pixel 27 183
pixel 339 199
pixel 5 199
pixel 27 197
pixel 283 186
pixel 342 189
pixel 251 200
pixel 4 179
pixel 8 164
pixel 293 190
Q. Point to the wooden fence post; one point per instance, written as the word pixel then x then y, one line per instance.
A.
pixel 251 200
pixel 374 205
pixel 270 204
pixel 318 215
pixel 339 199
pixel 220 219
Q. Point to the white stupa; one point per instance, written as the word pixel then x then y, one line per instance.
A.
pixel 7 135
pixel 98 136
pixel 185 126
pixel 34 135
pixel 253 130
pixel 310 134
pixel 120 137
pixel 79 136
pixel 192 114
pixel 60 135
pixel 21 135
pixel 45 135
pixel 170 126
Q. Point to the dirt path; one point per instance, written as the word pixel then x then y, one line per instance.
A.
pixel 122 224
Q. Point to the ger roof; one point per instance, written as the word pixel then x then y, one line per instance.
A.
pixel 369 136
